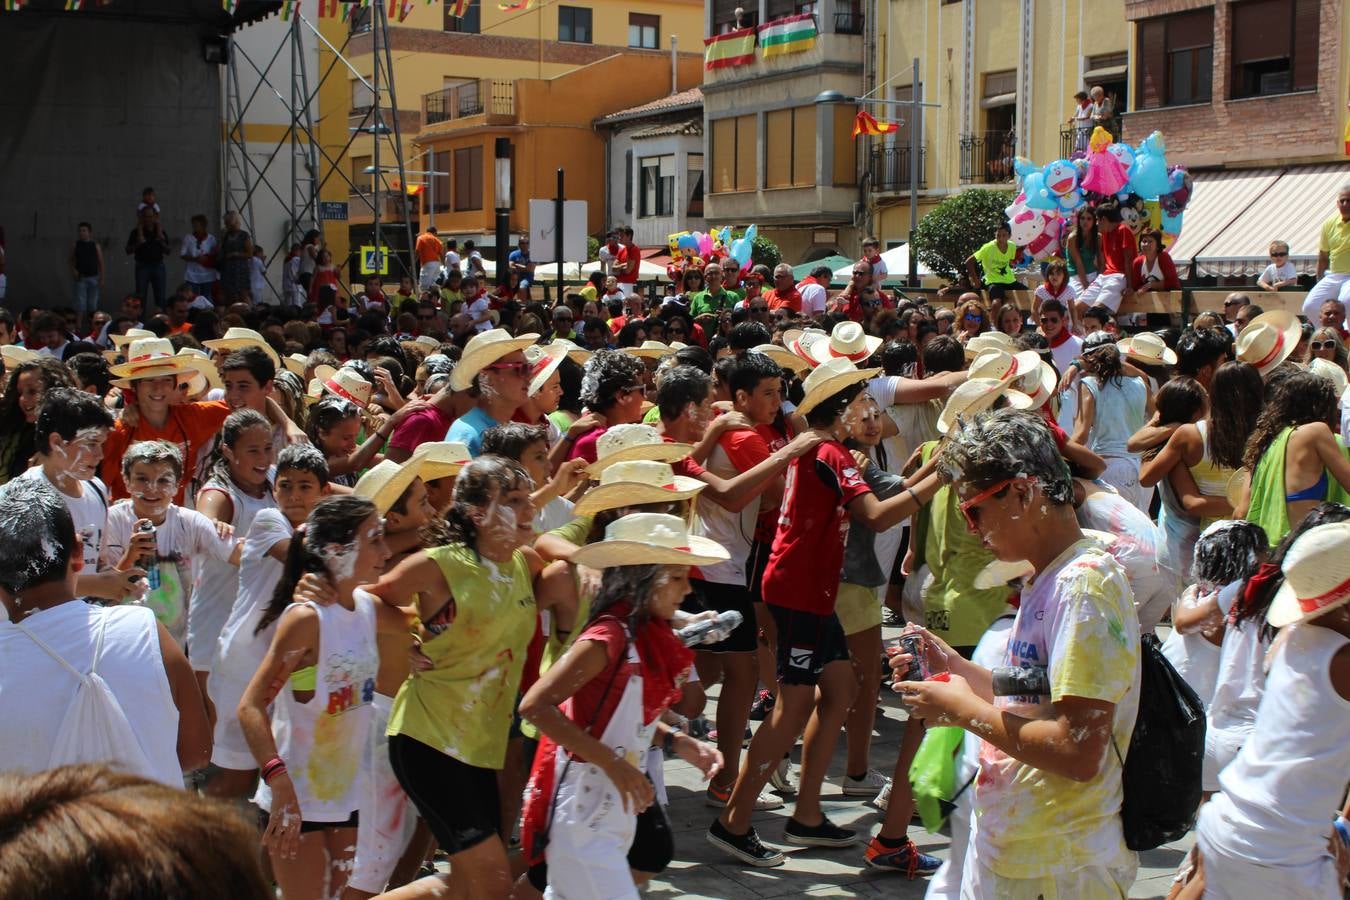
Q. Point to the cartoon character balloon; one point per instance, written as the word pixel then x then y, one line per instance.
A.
pixel 1150 179
pixel 1180 184
pixel 741 247
pixel 1032 180
pixel 1105 174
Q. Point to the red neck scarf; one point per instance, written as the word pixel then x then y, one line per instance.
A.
pixel 1064 335
pixel 1257 586
pixel 665 661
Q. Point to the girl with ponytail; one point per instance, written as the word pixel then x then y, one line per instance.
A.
pixel 1112 406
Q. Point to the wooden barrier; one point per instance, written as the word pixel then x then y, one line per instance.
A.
pixel 1212 301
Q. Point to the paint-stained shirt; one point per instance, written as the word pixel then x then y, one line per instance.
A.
pixel 1076 619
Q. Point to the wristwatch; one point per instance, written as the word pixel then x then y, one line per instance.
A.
pixel 672 732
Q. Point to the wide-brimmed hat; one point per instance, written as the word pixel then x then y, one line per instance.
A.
pixel 635 482
pixel 346 383
pixel 239 338
pixel 428 341
pixel 482 350
pixel 847 340
pixel 1233 488
pixel 385 483
pixel 297 363
pixel 575 353
pixel 1039 385
pixel 544 360
pixel 649 350
pixel 799 341
pixel 207 376
pixel 1147 348
pixel 990 340
pixel 15 355
pixel 1000 572
pixel 132 334
pixel 621 443
pixel 1316 576
pixel 828 379
pixel 439 459
pixel 1003 366
pixel 1269 339
pixel 645 539
pixel 975 396
pixel 785 358
pixel 1331 372
pixel 154 358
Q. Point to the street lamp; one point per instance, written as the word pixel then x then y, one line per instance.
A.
pixel 502 183
pixel 916 105
pixel 429 174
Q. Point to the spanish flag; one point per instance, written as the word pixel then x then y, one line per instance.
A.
pixel 735 48
pixel 865 124
pixel 459 8
pixel 518 6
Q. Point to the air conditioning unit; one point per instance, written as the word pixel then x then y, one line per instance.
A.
pixel 1274 83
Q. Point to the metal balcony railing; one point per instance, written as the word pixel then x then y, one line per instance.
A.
pixel 988 157
pixel 890 168
pixel 468 99
pixel 1073 141
pixel 848 22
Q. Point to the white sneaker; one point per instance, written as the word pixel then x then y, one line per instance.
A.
pixel 781 779
pixel 870 785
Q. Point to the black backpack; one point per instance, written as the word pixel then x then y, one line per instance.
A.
pixel 1162 773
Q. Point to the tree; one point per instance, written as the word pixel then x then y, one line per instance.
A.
pixel 957 227
pixel 764 252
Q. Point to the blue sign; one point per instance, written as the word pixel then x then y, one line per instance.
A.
pixel 332 210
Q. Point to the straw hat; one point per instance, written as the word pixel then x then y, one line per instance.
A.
pixel 799 341
pixel 999 573
pixel 784 357
pixel 132 334
pixel 17 356
pixel 828 379
pixel 346 383
pixel 439 459
pixel 1038 385
pixel 1003 366
pixel 427 341
pixel 1268 340
pixel 634 482
pixel 621 443
pixel 847 340
pixel 649 350
pixel 1236 483
pixel 207 376
pixel 1148 348
pixel 643 539
pixel 385 483
pixel 155 358
pixel 990 340
pixel 484 349
pixel 297 363
pixel 976 395
pixel 575 353
pixel 1330 371
pixel 544 361
pixel 239 338
pixel 1316 576
pixel 678 345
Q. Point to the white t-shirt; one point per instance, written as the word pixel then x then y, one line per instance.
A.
pixel 89 510
pixel 813 298
pixel 258 577
pixel 879 270
pixel 257 281
pixel 476 308
pixel 180 539
pixel 1283 272
pixel 451 259
pixel 195 272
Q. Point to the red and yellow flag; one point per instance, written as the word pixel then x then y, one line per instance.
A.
pixel 518 6
pixel 866 124
pixel 459 8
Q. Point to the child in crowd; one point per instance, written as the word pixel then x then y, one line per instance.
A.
pixel 1281 273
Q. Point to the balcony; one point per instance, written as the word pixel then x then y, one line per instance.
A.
pixel 987 158
pixel 848 22
pixel 1071 142
pixel 486 96
pixel 890 169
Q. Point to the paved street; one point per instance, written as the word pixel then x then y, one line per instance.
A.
pixel 701 871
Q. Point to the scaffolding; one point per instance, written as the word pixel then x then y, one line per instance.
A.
pixel 311 165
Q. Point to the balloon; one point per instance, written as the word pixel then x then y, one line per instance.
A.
pixel 687 245
pixel 1069 203
pixel 1038 195
pixel 724 236
pixel 740 250
pixel 1171 227
pixel 704 243
pixel 751 233
pixel 1124 153
pixel 1027 226
pixel 1047 244
pixel 1150 168
pixel 1060 177
pixel 1180 184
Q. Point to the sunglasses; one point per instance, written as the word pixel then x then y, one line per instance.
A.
pixel 971 317
pixel 1278 255
pixel 1050 320
pixel 515 368
pixel 1233 303
pixel 970 508
pixel 1323 345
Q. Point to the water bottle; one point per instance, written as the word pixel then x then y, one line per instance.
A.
pixel 150 563
pixel 710 631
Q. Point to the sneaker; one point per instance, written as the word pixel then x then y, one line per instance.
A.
pixel 718 798
pixel 826 834
pixel 905 859
pixel 699 726
pixel 870 785
pixel 891 619
pixel 781 779
pixel 745 847
pixel 763 705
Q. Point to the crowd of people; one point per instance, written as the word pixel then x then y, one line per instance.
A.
pixel 365 578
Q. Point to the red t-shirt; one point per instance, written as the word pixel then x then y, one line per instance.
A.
pixel 429 424
pixel 629 254
pixel 1118 250
pixel 808 548
pixel 792 300
pixel 587 710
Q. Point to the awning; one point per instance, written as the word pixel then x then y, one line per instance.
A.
pixel 1291 210
pixel 1218 199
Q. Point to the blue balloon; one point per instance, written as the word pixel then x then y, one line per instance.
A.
pixel 1038 195
pixel 1149 176
pixel 1172 224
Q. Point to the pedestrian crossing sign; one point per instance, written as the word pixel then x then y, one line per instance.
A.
pixel 375 261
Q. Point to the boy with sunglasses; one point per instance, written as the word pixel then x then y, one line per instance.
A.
pixel 1281 272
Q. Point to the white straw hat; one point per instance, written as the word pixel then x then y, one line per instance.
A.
pixel 439 459
pixel 544 361
pixel 1003 366
pixel 428 341
pixel 1268 340
pixel 238 338
pixel 649 350
pixel 635 482
pixel 483 350
pixel 799 341
pixel 785 358
pixel 990 340
pixel 132 334
pixel 345 382
pixel 847 340
pixel 15 355
pixel 1039 385
pixel 621 443
pixel 1148 348
pixel 643 539
pixel 385 483
pixel 1330 371
pixel 1316 576
pixel 155 358
pixel 828 379
pixel 206 376
pixel 297 363
pixel 976 395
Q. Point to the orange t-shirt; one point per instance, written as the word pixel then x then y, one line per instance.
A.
pixel 428 248
pixel 189 427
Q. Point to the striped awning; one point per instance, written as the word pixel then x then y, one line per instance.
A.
pixel 1218 199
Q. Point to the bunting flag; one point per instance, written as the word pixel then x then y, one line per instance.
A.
pixel 1347 137
pixel 735 48
pixel 13 5
pixel 865 124
pixel 288 9
pixel 459 8
pixel 400 9
pixel 230 6
pixel 416 190
pixel 792 34
pixel 518 6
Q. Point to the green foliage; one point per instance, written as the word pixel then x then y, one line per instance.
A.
pixel 592 248
pixel 957 228
pixel 765 252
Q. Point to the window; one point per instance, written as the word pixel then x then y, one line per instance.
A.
pixel 469 23
pixel 777 9
pixel 644 31
pixel 1274 47
pixel 790 147
pixel 658 185
pixel 724 15
pixel 363 98
pixel 360 178
pixel 733 154
pixel 628 181
pixel 438 194
pixel 1176 55
pixel 574 24
pixel 468 175
pixel 694 185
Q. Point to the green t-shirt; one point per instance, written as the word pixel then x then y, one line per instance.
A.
pixel 996 264
pixel 708 302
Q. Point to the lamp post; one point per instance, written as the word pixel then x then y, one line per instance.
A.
pixel 502 161
pixel 916 105
pixel 429 174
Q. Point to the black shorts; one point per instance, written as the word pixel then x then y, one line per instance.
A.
pixel 754 568
pixel 264 817
pixel 721 598
pixel 652 850
pixel 807 643
pixel 460 803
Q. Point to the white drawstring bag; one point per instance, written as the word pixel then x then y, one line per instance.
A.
pixel 95 729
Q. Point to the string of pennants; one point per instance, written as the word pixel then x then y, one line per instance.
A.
pixel 398 9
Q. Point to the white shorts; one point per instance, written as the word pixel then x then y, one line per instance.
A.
pixel 1229 878
pixel 427 276
pixel 1106 290
pixel 1333 286
pixel 1100 882
pixel 1122 473
pixel 387 817
pixel 231 671
pixel 630 289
